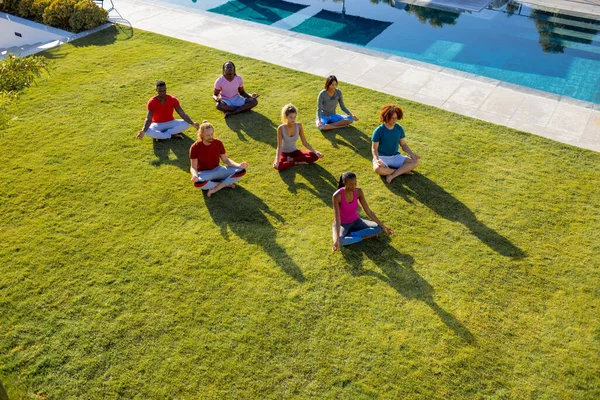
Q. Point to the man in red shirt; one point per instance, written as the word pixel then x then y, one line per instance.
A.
pixel 205 156
pixel 160 123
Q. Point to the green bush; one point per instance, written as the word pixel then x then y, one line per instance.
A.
pixel 18 73
pixel 25 9
pixel 59 12
pixel 37 9
pixel 10 6
pixel 74 15
pixel 87 15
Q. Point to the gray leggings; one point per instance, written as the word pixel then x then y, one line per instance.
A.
pixel 210 178
pixel 355 231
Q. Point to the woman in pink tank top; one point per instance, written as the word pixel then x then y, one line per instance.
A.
pixel 348 228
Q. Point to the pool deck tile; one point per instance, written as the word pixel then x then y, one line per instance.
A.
pixel 592 129
pixel 381 74
pixel 358 65
pixel 535 110
pixel 491 117
pixel 570 118
pixel 503 102
pixel 412 79
pixel 441 86
pixel 549 115
pixel 471 93
pixel 459 108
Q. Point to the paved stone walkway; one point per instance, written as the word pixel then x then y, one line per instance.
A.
pixel 552 116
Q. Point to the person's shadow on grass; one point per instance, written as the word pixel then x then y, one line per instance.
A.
pixel 352 138
pixel 254 125
pixel 397 271
pixel 244 214
pixel 324 184
pixel 430 194
pixel 179 148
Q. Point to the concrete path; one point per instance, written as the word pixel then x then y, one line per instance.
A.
pixel 552 116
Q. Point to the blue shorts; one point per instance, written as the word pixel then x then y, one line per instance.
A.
pixel 394 161
pixel 235 102
pixel 333 119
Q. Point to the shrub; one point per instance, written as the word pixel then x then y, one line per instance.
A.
pixel 18 73
pixel 59 12
pixel 25 9
pixel 10 6
pixel 87 15
pixel 37 9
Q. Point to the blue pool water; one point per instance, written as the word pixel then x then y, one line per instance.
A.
pixel 510 41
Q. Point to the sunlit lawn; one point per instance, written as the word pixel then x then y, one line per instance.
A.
pixel 119 279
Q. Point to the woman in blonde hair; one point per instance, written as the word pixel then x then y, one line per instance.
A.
pixel 205 157
pixel 288 133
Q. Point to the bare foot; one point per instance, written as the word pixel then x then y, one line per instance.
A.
pixel 226 114
pixel 177 136
pixel 388 179
pixel 231 186
pixel 408 173
pixel 210 192
pixel 301 163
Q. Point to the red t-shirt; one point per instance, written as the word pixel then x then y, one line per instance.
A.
pixel 208 156
pixel 163 112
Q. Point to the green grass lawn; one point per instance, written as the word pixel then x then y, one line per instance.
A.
pixel 119 279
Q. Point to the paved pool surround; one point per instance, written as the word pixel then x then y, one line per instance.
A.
pixel 556 117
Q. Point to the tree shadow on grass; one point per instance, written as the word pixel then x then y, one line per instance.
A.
pixel 324 184
pixel 255 125
pixel 101 38
pixel 180 148
pixel 245 215
pixel 351 138
pixel 428 193
pixel 397 271
pixel 122 24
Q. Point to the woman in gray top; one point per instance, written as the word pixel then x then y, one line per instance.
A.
pixel 288 133
pixel 326 104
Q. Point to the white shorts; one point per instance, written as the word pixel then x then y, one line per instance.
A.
pixel 394 161
pixel 236 102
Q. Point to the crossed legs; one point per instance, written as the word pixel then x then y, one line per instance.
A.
pixel 287 160
pixel 167 130
pixel 335 125
pixel 229 110
pixel 216 179
pixel 357 231
pixel 391 172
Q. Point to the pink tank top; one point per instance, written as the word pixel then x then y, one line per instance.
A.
pixel 348 211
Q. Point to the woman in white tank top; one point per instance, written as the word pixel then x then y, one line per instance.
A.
pixel 288 133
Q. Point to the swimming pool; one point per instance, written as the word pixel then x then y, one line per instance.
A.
pixel 557 52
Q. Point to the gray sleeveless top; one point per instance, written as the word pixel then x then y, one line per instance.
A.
pixel 288 143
